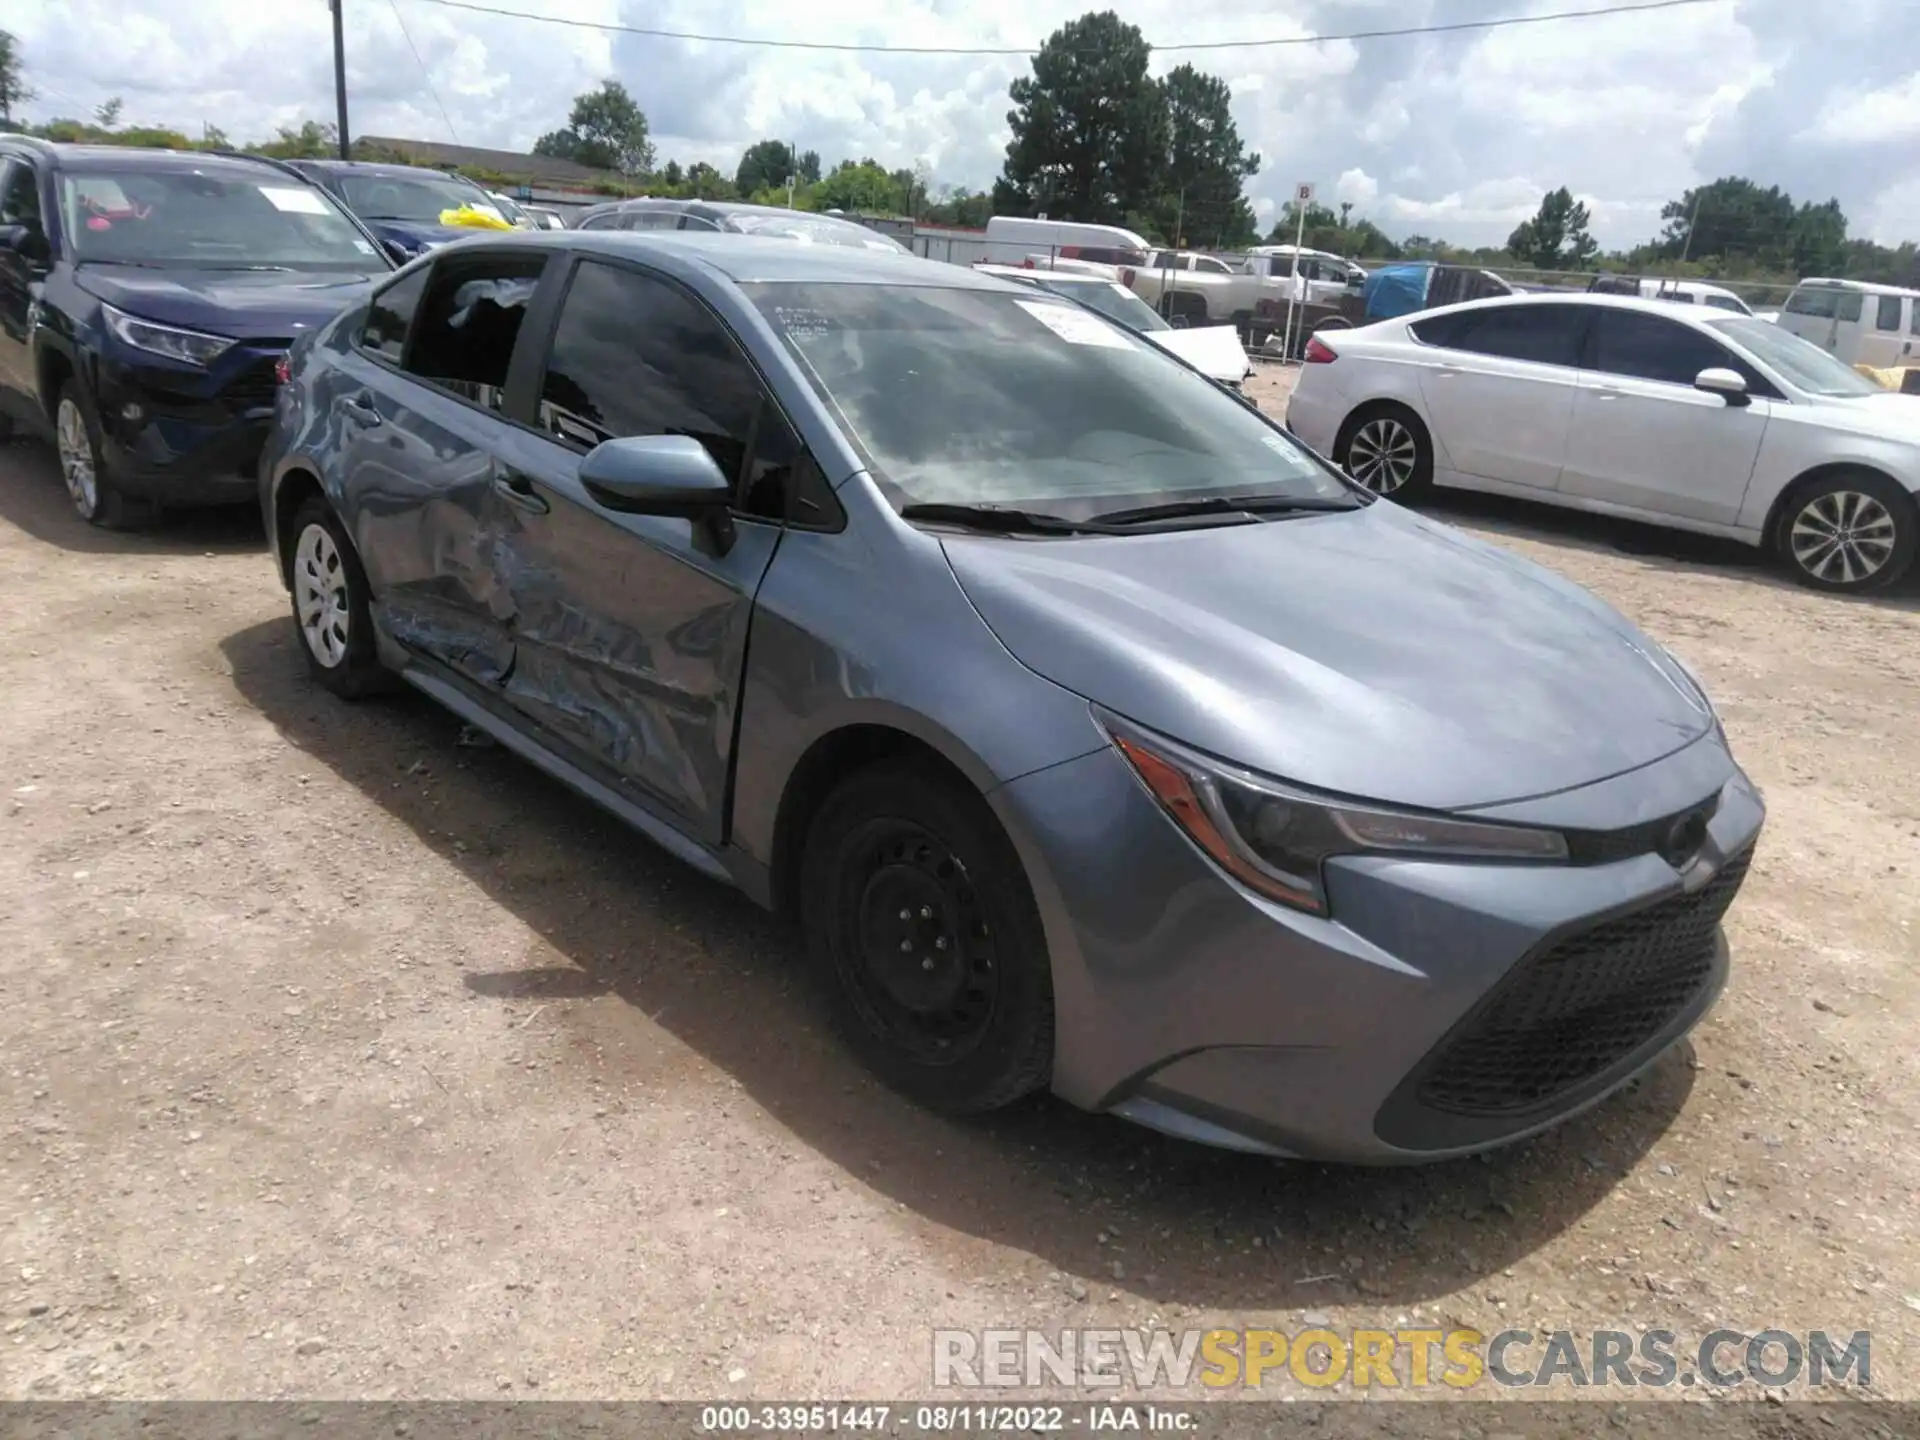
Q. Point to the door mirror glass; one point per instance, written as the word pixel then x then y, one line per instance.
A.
pixel 656 475
pixel 1717 380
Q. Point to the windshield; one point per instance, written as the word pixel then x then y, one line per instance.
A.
pixel 814 230
pixel 976 397
pixel 1727 302
pixel 1111 299
pixel 1801 364
pixel 418 198
pixel 188 218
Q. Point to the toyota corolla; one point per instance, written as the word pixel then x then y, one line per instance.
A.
pixel 1099 736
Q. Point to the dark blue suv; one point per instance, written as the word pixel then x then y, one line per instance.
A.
pixel 147 298
pixel 402 204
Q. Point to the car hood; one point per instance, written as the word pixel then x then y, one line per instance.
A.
pixel 1213 350
pixel 1371 653
pixel 412 235
pixel 242 303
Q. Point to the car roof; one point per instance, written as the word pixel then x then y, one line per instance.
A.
pixel 130 157
pixel 1870 287
pixel 381 168
pixel 1646 306
pixel 745 259
pixel 722 207
pixel 1038 276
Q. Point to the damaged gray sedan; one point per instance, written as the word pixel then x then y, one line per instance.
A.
pixel 1099 737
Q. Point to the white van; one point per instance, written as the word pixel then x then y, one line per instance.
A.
pixel 1011 239
pixel 1860 324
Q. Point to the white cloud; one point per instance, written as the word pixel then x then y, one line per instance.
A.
pixel 1357 188
pixel 1456 135
pixel 1889 113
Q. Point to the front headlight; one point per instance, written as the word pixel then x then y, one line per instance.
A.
pixel 190 346
pixel 1274 839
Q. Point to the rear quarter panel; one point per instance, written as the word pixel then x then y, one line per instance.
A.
pixel 306 433
pixel 1370 368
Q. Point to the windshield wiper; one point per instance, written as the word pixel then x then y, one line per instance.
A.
pixel 1227 505
pixel 279 269
pixel 998 519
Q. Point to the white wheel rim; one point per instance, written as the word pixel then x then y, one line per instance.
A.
pixel 1382 454
pixel 76 458
pixel 320 595
pixel 1843 537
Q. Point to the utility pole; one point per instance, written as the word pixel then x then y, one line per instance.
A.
pixel 1693 222
pixel 340 78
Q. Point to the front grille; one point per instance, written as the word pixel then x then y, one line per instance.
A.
pixel 254 387
pixel 1570 1013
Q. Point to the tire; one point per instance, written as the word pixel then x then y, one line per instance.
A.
pixel 96 498
pixel 902 866
pixel 1848 531
pixel 1386 448
pixel 331 612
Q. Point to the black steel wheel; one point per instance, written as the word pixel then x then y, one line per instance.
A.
pixel 919 919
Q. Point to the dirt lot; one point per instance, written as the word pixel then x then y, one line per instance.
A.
pixel 346 1061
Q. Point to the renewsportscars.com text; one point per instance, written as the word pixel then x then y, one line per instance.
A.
pixel 1413 1359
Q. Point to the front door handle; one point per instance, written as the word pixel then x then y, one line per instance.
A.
pixel 361 409
pixel 516 488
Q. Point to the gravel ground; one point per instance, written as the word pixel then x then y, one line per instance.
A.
pixel 343 1060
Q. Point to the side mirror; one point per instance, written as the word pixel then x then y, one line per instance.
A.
pixel 1729 385
pixel 399 253
pixel 29 242
pixel 661 475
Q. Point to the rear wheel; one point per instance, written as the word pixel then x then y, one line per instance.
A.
pixel 331 604
pixel 1386 449
pixel 1848 531
pixel 919 920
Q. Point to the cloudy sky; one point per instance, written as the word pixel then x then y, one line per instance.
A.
pixel 1454 135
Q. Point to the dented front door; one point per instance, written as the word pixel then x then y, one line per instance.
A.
pixel 630 631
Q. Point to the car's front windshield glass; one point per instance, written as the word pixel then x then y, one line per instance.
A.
pixel 1111 299
pixel 416 198
pixel 1021 401
pixel 186 218
pixel 1801 364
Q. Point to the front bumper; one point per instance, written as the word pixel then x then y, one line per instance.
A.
pixel 1187 1003
pixel 182 436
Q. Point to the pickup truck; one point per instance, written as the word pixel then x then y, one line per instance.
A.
pixel 1192 289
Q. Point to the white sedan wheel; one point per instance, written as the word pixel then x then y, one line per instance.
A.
pixel 1843 537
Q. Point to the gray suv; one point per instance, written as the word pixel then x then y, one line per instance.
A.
pixel 1098 735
